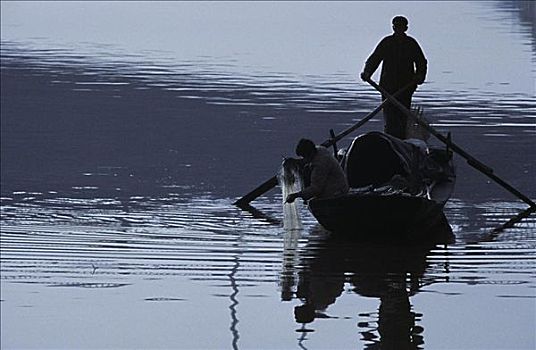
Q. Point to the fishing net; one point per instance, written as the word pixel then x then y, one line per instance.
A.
pixel 290 181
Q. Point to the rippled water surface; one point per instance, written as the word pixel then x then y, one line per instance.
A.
pixel 123 148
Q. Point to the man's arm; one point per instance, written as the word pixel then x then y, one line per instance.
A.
pixel 421 64
pixel 373 61
pixel 319 177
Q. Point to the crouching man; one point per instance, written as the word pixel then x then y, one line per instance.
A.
pixel 327 177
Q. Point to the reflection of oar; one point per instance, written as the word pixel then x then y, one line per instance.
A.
pixel 509 224
pixel 258 214
pixel 475 163
pixel 271 183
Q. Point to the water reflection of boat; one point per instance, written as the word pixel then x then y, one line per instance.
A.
pixel 391 273
pixel 396 186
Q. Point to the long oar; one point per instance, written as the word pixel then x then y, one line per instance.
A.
pixel 272 182
pixel 475 163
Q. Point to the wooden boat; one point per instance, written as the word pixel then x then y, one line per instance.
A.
pixel 395 186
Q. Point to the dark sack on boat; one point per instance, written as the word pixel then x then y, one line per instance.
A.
pixel 376 158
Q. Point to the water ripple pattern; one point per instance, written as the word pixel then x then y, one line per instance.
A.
pixel 61 243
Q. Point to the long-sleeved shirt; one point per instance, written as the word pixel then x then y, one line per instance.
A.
pixel 327 177
pixel 402 58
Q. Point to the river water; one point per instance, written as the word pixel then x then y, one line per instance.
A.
pixel 129 129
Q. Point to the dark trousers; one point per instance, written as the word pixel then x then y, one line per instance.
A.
pixel 395 119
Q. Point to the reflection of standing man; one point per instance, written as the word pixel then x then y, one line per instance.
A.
pixel 403 62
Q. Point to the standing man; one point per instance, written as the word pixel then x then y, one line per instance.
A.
pixel 403 62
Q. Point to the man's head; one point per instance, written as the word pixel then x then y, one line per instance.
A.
pixel 306 149
pixel 400 24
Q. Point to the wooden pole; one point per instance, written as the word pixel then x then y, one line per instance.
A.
pixel 272 182
pixel 475 163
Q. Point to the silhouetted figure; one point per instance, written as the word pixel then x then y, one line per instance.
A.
pixel 403 62
pixel 396 320
pixel 327 177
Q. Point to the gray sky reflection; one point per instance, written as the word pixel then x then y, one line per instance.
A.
pixel 471 44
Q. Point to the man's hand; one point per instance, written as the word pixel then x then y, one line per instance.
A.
pixel 365 76
pixel 291 197
pixel 419 79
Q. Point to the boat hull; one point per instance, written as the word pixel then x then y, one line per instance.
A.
pixel 392 217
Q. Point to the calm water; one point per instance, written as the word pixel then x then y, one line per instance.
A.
pixel 129 129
